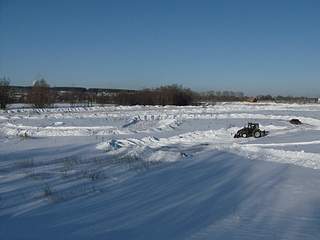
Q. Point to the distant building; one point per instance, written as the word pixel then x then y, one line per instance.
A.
pixel 18 94
pixel 252 99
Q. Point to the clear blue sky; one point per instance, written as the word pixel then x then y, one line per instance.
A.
pixel 270 47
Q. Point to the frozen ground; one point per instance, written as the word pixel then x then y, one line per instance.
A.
pixel 159 173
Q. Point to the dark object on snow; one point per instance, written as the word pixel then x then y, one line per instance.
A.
pixel 295 121
pixel 252 130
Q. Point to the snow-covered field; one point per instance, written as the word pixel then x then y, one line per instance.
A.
pixel 146 172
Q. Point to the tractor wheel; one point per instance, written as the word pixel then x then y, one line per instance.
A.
pixel 244 135
pixel 257 134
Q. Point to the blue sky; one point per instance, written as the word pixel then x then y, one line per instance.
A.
pixel 258 47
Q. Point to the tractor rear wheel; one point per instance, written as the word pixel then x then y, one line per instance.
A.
pixel 257 134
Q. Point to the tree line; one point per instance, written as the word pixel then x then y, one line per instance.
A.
pixel 165 95
pixel 41 95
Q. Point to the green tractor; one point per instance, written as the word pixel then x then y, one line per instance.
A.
pixel 251 130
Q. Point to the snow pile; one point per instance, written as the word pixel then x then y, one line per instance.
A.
pixel 168 124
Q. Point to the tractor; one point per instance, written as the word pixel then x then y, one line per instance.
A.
pixel 251 130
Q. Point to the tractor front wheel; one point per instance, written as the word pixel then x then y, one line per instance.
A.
pixel 244 135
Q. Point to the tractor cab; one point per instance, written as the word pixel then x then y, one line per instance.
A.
pixel 253 125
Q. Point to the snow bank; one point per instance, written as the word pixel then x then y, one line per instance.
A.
pixel 58 130
pixel 221 139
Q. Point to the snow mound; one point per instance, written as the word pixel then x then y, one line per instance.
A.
pixel 146 149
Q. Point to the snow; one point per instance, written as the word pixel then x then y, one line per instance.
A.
pixel 153 172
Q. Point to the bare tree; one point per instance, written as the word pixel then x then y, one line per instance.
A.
pixel 4 92
pixel 40 95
